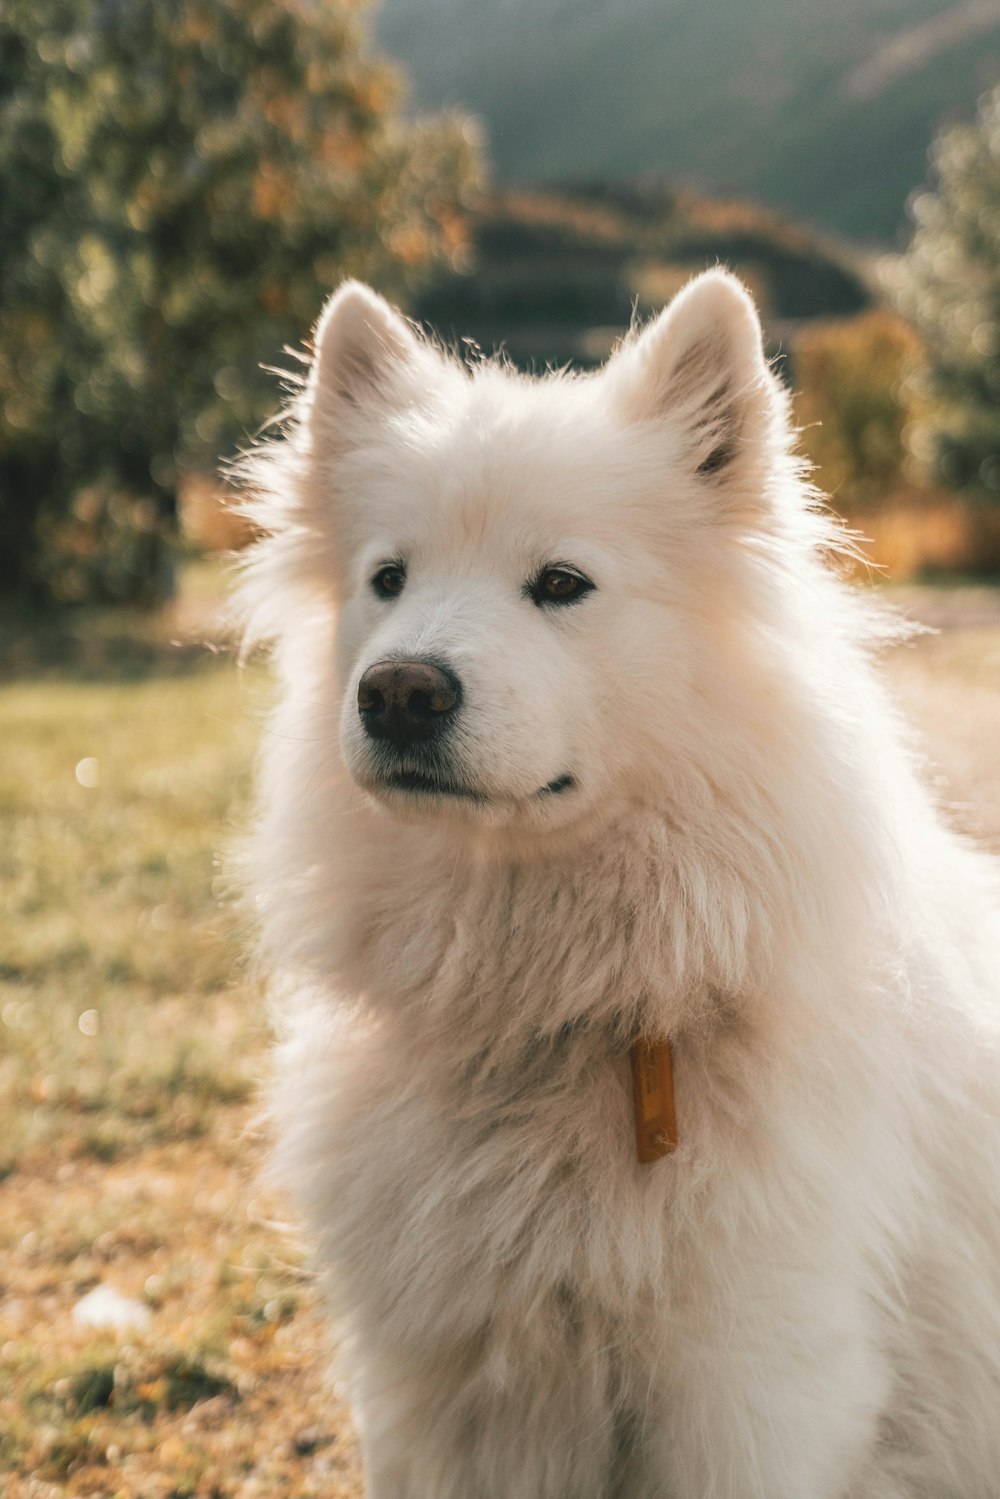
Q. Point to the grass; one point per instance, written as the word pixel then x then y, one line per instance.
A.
pixel 131 1048
pixel 99 881
pixel 132 1043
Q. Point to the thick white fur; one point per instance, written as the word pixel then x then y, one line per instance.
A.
pixel 803 1302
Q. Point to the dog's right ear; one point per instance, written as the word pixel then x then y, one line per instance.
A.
pixel 368 363
pixel 367 359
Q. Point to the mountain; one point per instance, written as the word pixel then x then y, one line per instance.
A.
pixel 824 110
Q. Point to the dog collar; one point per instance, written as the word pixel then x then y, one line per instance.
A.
pixel 653 1095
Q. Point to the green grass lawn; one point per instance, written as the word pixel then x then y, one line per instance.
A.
pixel 132 1047
pixel 123 1021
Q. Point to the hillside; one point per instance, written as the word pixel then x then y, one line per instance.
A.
pixel 824 110
pixel 554 276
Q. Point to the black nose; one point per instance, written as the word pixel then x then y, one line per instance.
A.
pixel 406 701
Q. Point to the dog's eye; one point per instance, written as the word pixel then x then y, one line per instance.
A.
pixel 389 580
pixel 559 585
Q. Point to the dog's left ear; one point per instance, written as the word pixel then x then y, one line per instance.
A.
pixel 700 367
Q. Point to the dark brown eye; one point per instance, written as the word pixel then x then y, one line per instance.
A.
pixel 389 580
pixel 560 585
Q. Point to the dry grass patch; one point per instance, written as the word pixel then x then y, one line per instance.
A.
pixel 133 1046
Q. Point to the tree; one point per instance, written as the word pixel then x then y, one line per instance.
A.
pixel 948 282
pixel 181 183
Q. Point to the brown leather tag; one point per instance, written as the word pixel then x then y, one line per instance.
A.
pixel 653 1092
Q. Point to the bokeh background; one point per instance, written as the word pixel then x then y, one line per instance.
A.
pixel 182 182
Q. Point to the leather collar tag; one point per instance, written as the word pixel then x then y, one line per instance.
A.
pixel 653 1093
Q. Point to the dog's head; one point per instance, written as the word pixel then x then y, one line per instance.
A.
pixel 531 577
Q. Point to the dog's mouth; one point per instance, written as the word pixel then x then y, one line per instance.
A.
pixel 422 783
pixel 431 785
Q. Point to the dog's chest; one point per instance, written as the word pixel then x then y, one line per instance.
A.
pixel 446 1198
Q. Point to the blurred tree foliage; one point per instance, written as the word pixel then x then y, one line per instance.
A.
pixel 855 383
pixel 181 183
pixel 949 283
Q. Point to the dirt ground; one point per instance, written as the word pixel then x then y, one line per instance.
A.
pixel 948 684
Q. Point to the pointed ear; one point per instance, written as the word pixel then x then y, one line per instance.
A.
pixel 367 358
pixel 701 368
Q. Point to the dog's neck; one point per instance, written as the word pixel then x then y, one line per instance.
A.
pixel 621 937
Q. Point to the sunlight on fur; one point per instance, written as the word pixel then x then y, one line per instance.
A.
pixel 580 739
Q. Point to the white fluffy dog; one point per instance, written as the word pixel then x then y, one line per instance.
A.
pixel 579 746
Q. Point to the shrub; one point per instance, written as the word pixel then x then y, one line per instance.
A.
pixel 855 400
